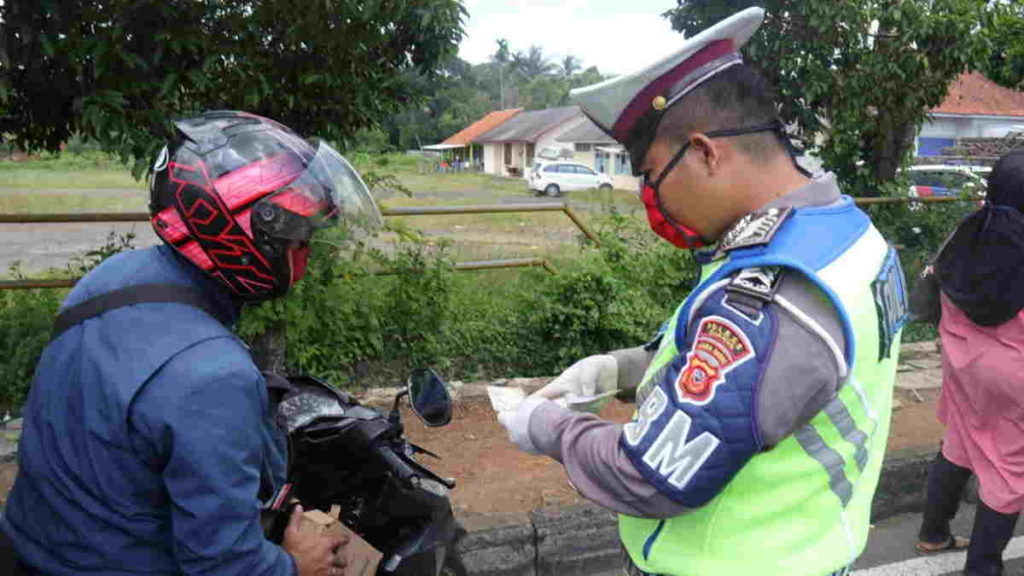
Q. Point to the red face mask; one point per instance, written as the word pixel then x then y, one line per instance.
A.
pixel 299 259
pixel 663 225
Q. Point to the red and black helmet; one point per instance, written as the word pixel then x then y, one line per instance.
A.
pixel 239 196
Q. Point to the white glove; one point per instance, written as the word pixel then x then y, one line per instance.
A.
pixel 588 377
pixel 517 423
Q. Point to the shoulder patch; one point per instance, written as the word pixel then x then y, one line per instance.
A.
pixel 754 229
pixel 718 348
pixel 761 283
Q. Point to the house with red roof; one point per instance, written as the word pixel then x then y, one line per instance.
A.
pixel 975 107
pixel 463 142
pixel 512 148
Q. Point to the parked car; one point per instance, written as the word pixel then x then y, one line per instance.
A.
pixel 554 178
pixel 945 180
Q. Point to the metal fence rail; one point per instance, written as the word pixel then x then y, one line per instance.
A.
pixel 95 217
pixel 60 218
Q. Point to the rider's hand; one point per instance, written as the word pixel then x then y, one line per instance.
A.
pixel 314 554
pixel 589 377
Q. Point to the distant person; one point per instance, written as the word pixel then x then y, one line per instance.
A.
pixel 980 279
pixel 149 443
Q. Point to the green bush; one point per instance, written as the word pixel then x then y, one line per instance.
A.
pixel 918 232
pixel 25 321
pixel 350 323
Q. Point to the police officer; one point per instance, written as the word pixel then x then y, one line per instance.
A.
pixel 148 444
pixel 764 402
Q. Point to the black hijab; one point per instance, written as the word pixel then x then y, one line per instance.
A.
pixel 982 267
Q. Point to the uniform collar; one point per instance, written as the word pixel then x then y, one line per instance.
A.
pixel 822 190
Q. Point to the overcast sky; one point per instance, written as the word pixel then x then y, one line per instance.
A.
pixel 617 36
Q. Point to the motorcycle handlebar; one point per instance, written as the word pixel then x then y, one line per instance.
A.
pixel 407 469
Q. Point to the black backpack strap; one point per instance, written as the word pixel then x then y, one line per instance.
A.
pixel 139 294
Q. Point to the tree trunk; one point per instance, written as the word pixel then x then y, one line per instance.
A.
pixel 891 143
pixel 269 349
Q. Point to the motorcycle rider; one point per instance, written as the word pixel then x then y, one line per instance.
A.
pixel 764 403
pixel 148 443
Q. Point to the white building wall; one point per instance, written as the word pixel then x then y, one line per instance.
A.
pixel 586 158
pixel 970 127
pixel 492 156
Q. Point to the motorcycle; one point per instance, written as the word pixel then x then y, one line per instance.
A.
pixel 353 456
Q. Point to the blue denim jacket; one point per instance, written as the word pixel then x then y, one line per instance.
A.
pixel 147 435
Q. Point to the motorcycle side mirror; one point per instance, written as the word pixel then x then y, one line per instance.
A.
pixel 430 399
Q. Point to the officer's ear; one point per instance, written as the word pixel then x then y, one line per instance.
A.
pixel 708 153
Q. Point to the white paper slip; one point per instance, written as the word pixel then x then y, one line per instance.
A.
pixel 592 404
pixel 505 398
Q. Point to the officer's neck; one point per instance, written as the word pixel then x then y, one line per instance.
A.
pixel 769 182
pixel 755 186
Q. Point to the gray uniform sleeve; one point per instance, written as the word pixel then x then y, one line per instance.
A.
pixel 589 449
pixel 800 378
pixel 803 373
pixel 633 363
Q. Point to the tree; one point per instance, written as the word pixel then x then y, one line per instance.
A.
pixel 570 64
pixel 462 93
pixel 1005 30
pixel 117 71
pixel 857 78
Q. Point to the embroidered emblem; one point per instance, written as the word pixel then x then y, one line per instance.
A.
pixel 755 229
pixel 890 292
pixel 720 346
pixel 761 283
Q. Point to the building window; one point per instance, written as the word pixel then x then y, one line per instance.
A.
pixel 508 154
pixel 583 147
pixel 622 164
pixel 601 161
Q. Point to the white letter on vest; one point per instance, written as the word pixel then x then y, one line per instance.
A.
pixel 677 460
pixel 649 412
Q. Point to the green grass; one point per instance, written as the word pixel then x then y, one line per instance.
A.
pixel 89 170
pixel 71 201
pixel 75 180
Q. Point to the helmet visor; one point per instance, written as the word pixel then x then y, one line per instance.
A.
pixel 327 192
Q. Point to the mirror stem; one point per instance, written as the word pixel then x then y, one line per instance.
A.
pixel 395 417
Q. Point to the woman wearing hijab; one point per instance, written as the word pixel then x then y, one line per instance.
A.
pixel 980 272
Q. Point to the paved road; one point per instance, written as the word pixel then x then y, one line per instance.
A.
pixel 42 246
pixel 890 549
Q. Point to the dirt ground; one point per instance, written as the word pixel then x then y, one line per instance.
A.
pixel 494 476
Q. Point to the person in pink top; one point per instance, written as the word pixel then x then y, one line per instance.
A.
pixel 980 274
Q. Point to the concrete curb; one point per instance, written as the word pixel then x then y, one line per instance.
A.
pixel 584 540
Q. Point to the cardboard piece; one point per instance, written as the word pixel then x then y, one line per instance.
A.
pixel 361 558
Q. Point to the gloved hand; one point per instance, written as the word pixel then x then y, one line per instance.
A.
pixel 588 377
pixel 517 423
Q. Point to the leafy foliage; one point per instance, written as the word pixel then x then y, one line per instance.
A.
pixel 857 78
pixel 463 93
pixel 116 72
pixel 1005 30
